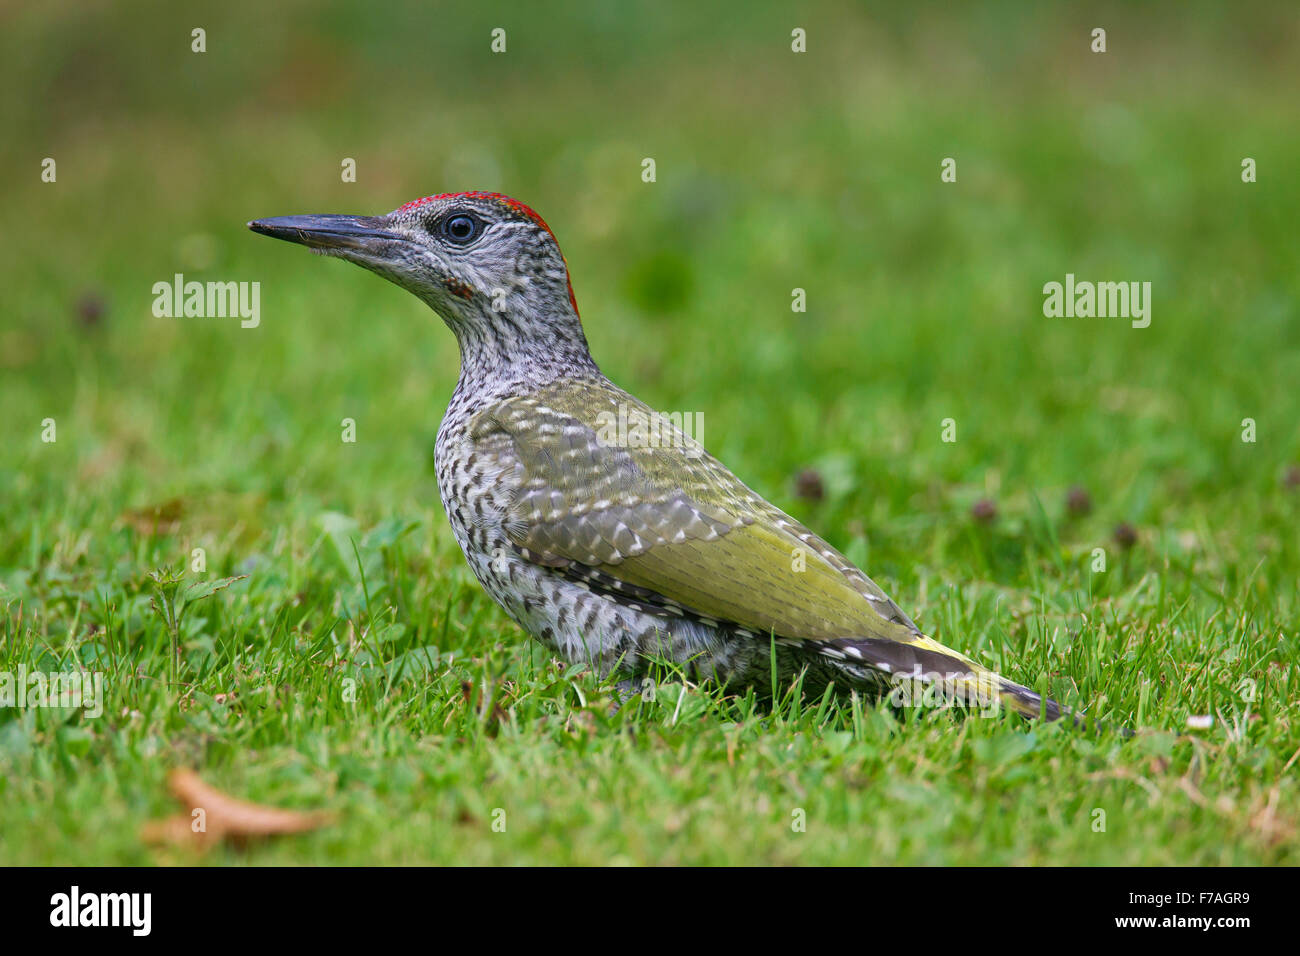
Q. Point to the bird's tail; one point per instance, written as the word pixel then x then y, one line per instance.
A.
pixel 922 672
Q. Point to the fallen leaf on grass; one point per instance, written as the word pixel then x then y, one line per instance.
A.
pixel 214 816
pixel 156 520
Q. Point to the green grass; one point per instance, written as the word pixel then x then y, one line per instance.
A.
pixel 775 171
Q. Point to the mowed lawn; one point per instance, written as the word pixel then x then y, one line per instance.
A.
pixel 355 665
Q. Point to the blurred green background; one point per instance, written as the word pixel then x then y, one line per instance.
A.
pixel 775 171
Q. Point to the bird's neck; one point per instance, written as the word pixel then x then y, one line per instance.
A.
pixel 503 349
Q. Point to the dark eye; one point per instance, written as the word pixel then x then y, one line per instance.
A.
pixel 461 228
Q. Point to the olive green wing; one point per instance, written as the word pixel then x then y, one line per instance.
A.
pixel 610 495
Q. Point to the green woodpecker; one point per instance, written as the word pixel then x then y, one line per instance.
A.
pixel 612 551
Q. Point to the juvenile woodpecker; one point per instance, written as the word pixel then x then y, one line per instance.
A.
pixel 612 552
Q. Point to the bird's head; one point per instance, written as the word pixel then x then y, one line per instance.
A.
pixel 484 262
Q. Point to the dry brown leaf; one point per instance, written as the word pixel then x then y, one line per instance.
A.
pixel 219 816
pixel 156 520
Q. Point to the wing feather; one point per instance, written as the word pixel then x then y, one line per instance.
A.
pixel 670 520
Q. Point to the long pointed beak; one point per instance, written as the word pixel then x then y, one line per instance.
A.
pixel 327 232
